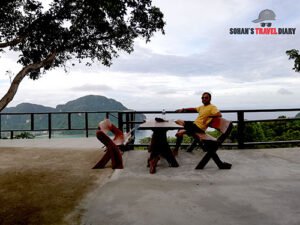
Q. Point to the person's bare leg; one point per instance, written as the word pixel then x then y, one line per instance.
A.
pixel 180 122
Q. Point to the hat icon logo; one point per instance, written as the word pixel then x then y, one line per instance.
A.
pixel 266 14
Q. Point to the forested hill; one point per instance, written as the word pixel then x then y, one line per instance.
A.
pixel 29 108
pixel 90 103
pixel 86 103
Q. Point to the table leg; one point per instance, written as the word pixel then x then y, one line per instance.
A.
pixel 160 146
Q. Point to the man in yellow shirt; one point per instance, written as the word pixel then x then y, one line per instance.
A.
pixel 206 113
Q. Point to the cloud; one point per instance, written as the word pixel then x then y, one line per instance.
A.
pixel 197 54
pixel 284 91
pixel 167 92
pixel 91 87
pixel 232 57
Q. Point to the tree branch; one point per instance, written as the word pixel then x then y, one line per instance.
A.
pixel 294 54
pixel 11 43
pixel 20 76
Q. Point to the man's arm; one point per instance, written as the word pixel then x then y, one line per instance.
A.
pixel 215 115
pixel 186 110
pixel 218 114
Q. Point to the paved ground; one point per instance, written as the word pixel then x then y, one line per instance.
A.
pixel 263 187
pixel 71 143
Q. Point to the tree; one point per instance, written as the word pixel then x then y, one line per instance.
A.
pixel 294 54
pixel 91 30
pixel 253 132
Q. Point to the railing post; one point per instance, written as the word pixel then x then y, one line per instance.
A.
pixel 86 119
pixel 69 121
pixel 132 118
pixel 132 126
pixel 120 120
pixel 49 125
pixel 127 122
pixel 32 121
pixel 240 129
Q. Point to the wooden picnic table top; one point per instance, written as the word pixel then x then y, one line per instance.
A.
pixel 152 124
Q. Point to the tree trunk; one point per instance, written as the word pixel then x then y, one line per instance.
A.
pixel 11 43
pixel 8 97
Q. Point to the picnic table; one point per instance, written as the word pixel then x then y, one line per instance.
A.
pixel 159 145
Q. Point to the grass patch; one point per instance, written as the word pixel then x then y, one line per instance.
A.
pixel 42 186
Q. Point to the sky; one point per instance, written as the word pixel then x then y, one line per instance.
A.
pixel 196 54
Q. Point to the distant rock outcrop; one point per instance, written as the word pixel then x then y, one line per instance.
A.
pixel 83 104
pixel 90 103
pixel 28 108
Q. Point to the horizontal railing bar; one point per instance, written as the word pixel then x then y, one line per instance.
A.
pixel 235 121
pixel 77 112
pixel 272 120
pixel 188 144
pixel 272 142
pixel 46 129
pixel 225 111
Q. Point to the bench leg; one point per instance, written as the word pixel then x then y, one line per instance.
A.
pixel 116 158
pixel 192 146
pixel 211 147
pixel 203 162
pixel 113 152
pixel 103 161
pixel 206 159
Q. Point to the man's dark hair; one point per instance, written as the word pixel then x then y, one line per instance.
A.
pixel 207 93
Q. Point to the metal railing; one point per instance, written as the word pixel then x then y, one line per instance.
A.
pixel 30 124
pixel 128 119
pixel 240 123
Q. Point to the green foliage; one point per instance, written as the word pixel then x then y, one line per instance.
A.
pixel 186 139
pixel 254 132
pixel 214 133
pixel 93 30
pixel 269 131
pixel 145 140
pixel 294 54
pixel 24 135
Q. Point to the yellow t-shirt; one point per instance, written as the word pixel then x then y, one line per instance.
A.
pixel 203 119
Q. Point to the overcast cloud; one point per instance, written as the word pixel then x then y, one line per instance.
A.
pixel 196 54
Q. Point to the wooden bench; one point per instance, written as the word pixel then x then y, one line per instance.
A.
pixel 113 146
pixel 211 144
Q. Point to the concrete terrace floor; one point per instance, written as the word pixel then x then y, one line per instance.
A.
pixel 263 187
